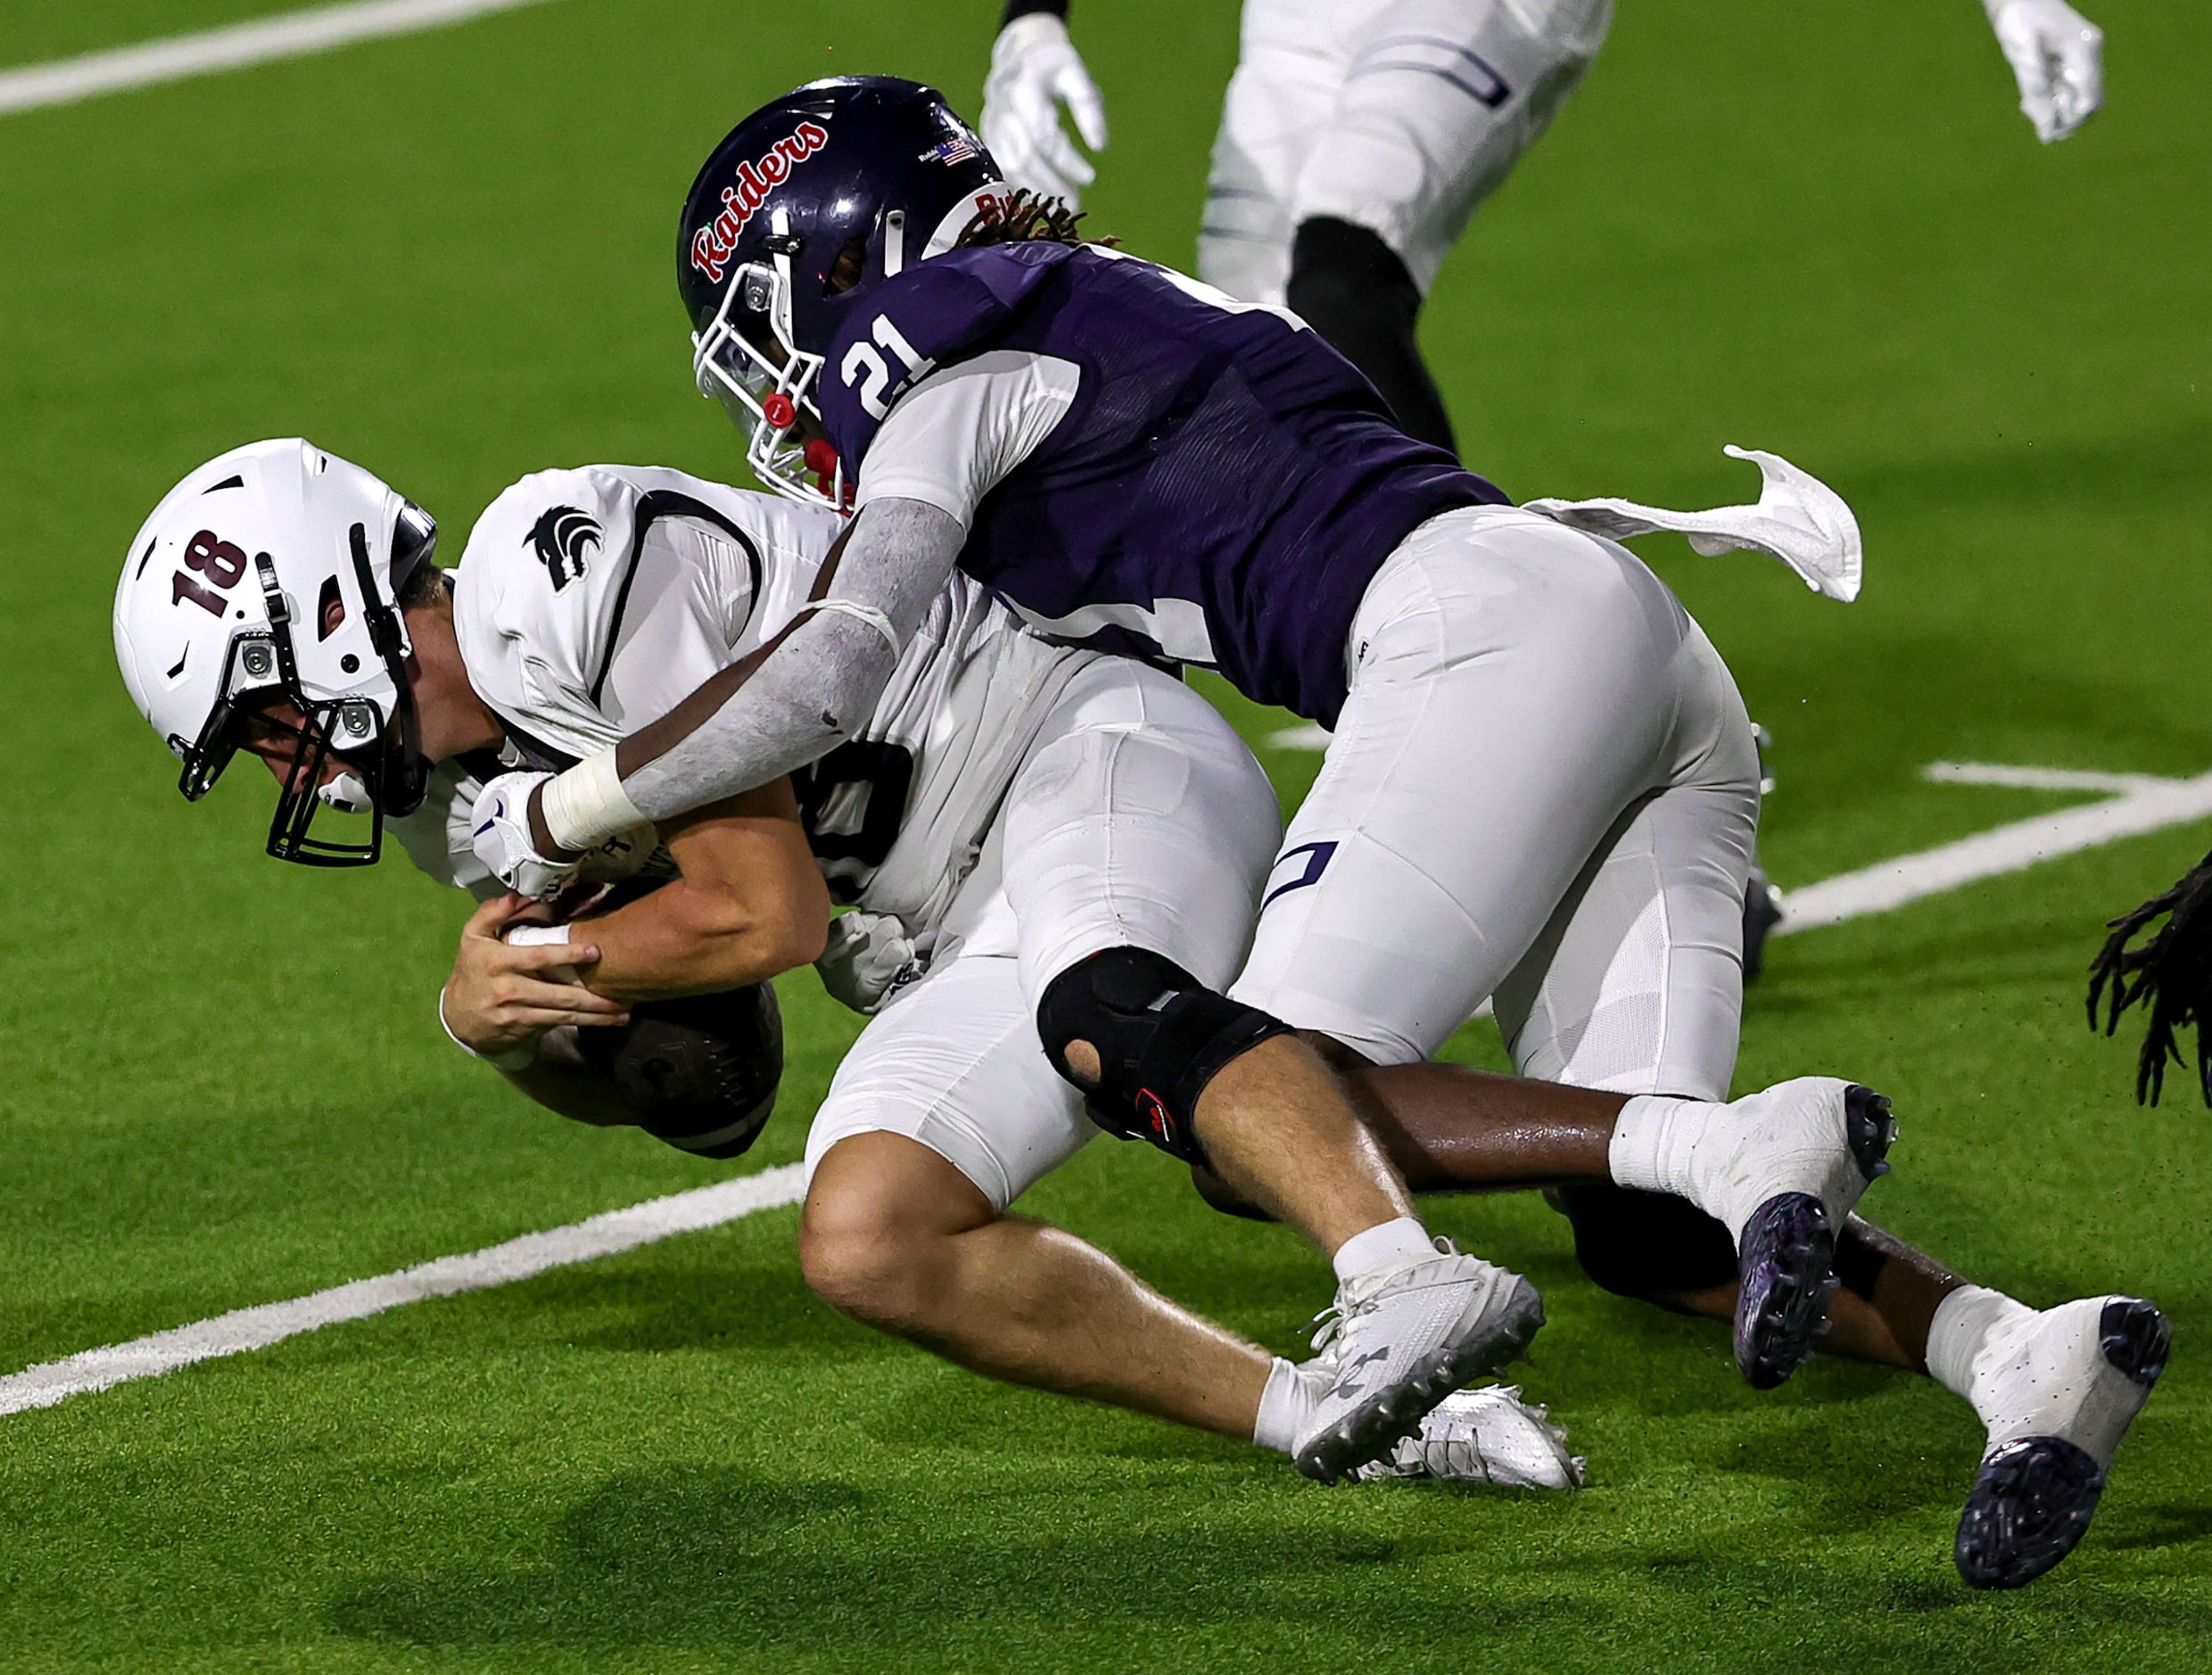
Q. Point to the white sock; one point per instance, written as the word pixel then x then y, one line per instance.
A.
pixel 1389 1244
pixel 1959 1332
pixel 1284 1409
pixel 1729 1160
pixel 2033 1372
pixel 1652 1140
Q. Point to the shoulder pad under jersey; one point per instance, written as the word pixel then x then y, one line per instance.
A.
pixel 544 582
pixel 937 312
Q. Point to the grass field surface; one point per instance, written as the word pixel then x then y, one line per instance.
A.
pixel 1820 228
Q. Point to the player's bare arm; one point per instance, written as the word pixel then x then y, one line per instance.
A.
pixel 750 905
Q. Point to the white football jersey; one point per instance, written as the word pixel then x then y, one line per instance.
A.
pixel 589 602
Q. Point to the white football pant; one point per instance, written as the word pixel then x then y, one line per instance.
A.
pixel 1400 118
pixel 1542 789
pixel 1137 818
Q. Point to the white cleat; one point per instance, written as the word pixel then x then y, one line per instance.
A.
pixel 1397 1341
pixel 2057 1389
pixel 1484 1436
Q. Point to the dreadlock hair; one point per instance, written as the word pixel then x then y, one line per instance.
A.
pixel 1022 216
pixel 2171 974
pixel 424 585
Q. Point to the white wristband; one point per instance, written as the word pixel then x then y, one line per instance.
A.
pixel 535 935
pixel 587 806
pixel 514 1058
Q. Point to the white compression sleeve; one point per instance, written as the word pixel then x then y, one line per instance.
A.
pixel 818 688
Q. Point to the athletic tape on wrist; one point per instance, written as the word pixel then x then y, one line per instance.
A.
pixel 536 936
pixel 587 806
pixel 513 1059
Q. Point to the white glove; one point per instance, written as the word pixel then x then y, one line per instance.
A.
pixel 500 830
pixel 1036 69
pixel 2057 57
pixel 868 957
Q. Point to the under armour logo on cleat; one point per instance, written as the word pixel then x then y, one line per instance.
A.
pixel 1351 1384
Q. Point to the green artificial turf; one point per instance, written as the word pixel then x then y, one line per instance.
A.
pixel 1820 228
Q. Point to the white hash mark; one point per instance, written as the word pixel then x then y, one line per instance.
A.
pixel 233 46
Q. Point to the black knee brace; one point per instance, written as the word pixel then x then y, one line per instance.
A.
pixel 1645 1245
pixel 1352 288
pixel 1161 1036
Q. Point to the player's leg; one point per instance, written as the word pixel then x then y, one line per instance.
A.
pixel 2055 1388
pixel 1635 986
pixel 1135 838
pixel 1291 59
pixel 1438 101
pixel 1487 814
pixel 943 1112
pixel 1137 834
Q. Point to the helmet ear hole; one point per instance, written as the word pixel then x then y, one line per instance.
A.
pixel 847 271
pixel 329 609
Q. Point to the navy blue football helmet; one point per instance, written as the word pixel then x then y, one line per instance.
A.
pixel 806 203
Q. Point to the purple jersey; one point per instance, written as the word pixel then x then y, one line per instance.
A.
pixel 1218 466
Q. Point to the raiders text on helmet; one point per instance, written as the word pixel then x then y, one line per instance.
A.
pixel 265 581
pixel 806 203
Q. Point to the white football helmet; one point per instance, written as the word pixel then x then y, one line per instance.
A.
pixel 269 574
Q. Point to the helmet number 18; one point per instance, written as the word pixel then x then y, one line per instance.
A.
pixel 221 561
pixel 877 390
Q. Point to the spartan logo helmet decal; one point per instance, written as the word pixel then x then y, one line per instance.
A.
pixel 565 538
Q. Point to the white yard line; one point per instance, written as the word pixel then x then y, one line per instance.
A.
pixel 2144 804
pixel 2038 778
pixel 289 35
pixel 1305 735
pixel 520 1259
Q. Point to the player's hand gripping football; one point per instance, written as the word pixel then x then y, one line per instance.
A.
pixel 2057 57
pixel 501 997
pixel 1035 72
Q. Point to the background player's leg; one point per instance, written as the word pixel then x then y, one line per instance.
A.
pixel 1353 288
pixel 1439 99
pixel 1289 66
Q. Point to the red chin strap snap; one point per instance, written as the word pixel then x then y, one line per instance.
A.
pixel 780 411
pixel 821 458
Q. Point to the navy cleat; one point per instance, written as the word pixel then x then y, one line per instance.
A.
pixel 2035 1494
pixel 1787 1264
pixel 1785 1255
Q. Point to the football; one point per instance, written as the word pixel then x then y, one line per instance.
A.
pixel 700 1072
